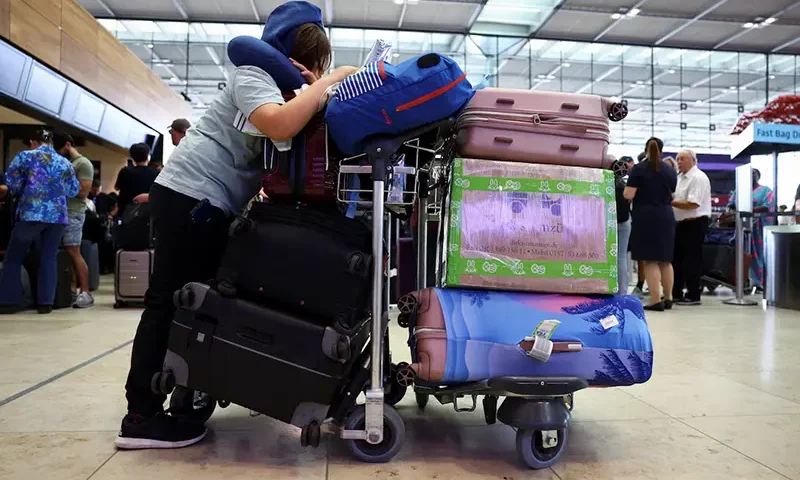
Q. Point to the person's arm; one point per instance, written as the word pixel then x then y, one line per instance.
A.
pixel 17 172
pixel 119 182
pixel 634 181
pixel 282 122
pixel 142 198
pixel 85 174
pixel 71 183
pixel 693 192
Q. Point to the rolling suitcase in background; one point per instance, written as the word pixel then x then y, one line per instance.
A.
pixel 468 335
pixel 91 255
pixel 274 363
pixel 65 275
pixel 538 127
pixel 132 277
pixel 300 260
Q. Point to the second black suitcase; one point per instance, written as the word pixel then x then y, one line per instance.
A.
pixel 300 260
pixel 270 362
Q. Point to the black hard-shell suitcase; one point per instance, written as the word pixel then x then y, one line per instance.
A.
pixel 91 255
pixel 271 362
pixel 300 260
pixel 64 276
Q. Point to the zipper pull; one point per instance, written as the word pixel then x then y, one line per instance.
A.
pixel 536 119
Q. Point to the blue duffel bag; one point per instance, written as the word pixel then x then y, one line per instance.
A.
pixel 385 99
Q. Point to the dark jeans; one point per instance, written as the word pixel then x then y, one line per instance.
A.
pixel 25 235
pixel 185 252
pixel 688 260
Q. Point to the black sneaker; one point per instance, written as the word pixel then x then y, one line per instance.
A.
pixel 44 309
pixel 160 431
pixel 685 302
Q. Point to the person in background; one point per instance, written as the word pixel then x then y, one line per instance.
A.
pixel 692 206
pixel 97 189
pixel 212 175
pixel 671 162
pixel 64 144
pixel 639 289
pixel 157 166
pixel 178 129
pixel 650 187
pixel 43 180
pixel 620 169
pixel 785 219
pixel 3 187
pixel 136 180
pixel 763 203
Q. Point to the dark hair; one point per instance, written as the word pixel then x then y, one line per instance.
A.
pixel 757 174
pixel 40 135
pixel 311 47
pixel 139 152
pixel 61 139
pixel 654 146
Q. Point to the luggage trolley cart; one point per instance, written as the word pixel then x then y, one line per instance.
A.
pixel 538 408
pixel 375 432
pixel 327 401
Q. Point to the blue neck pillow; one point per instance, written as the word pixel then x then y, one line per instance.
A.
pixel 271 52
pixel 247 51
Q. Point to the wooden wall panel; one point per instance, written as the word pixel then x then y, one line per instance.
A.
pixel 63 35
pixel 49 9
pixel 5 18
pixel 77 62
pixel 80 25
pixel 35 33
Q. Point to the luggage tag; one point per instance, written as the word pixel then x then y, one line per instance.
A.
pixel 542 347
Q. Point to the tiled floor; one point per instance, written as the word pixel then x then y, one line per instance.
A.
pixel 723 403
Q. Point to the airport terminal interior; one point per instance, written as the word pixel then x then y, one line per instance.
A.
pixel 714 390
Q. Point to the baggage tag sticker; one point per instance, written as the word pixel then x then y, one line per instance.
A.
pixel 542 347
pixel 609 322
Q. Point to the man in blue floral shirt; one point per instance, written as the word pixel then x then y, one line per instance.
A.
pixel 43 180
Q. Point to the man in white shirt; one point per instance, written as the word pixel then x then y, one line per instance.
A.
pixel 692 205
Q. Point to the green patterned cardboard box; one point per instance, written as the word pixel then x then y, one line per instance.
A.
pixel 527 227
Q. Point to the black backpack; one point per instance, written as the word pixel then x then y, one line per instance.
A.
pixel 135 233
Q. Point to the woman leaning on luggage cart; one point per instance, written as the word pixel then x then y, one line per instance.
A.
pixel 651 184
pixel 211 175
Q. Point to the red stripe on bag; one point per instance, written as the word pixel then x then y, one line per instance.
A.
pixel 381 71
pixel 430 96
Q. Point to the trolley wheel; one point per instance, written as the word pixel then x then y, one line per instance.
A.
pixel 223 404
pixel 394 390
pixel 226 289
pixel 394 436
pixel 617 111
pixel 422 400
pixel 162 383
pixel 534 453
pixel 407 304
pixel 118 305
pixel 183 405
pixel 404 375
pixel 569 401
pixel 402 320
pixel 311 435
pixel 711 288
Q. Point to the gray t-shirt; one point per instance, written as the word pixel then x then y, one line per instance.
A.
pixel 217 161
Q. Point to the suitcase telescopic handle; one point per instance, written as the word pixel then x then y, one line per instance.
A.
pixel 505 140
pixel 505 101
pixel 570 106
pixel 570 147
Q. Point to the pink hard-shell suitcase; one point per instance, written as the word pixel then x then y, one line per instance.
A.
pixel 538 127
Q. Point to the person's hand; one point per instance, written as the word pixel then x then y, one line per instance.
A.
pixel 343 72
pixel 307 74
